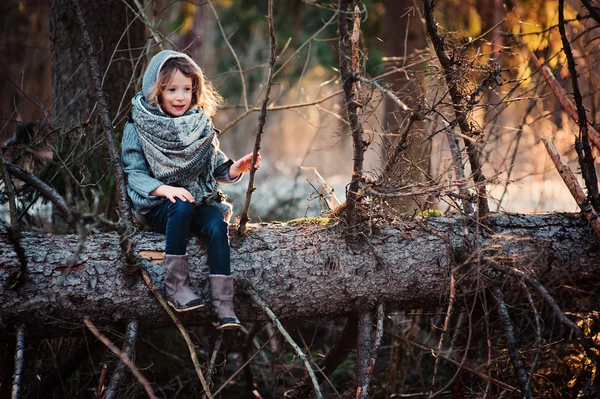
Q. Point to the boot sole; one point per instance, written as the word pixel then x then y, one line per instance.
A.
pixel 228 326
pixel 185 309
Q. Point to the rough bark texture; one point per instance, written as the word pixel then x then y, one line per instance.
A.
pixel 300 271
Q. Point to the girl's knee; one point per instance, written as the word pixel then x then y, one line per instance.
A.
pixel 181 208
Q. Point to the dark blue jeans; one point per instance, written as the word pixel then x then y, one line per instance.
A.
pixel 177 220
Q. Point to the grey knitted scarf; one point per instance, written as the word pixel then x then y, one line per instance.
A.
pixel 180 151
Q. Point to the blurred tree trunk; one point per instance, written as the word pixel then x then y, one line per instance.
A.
pixel 25 80
pixel 118 44
pixel 404 35
pixel 300 271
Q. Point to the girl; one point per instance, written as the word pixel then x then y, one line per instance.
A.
pixel 173 164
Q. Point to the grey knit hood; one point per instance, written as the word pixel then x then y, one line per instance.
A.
pixel 156 64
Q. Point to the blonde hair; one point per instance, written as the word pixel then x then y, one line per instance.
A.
pixel 203 92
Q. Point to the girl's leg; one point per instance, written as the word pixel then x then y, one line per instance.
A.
pixel 209 223
pixel 173 219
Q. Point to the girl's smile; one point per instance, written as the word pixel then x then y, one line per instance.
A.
pixel 176 97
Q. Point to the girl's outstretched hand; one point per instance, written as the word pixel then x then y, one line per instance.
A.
pixel 173 192
pixel 243 165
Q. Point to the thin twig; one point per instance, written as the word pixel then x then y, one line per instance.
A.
pixel 123 358
pixel 19 361
pixel 538 334
pixel 445 330
pixel 511 341
pixel 182 330
pixel 562 97
pixel 148 24
pixel 289 339
pixel 128 346
pixel 457 102
pixel 433 352
pixel 573 185
pixel 237 60
pixel 585 341
pixel 586 159
pixel 243 366
pixel 262 119
pixel 363 390
pixel 213 360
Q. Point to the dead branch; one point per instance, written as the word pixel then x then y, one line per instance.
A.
pixel 594 11
pixel 262 119
pixel 123 358
pixel 511 341
pixel 562 97
pixel 573 185
pixel 472 370
pixel 182 330
pixel 289 339
pixel 353 108
pixel 445 330
pixel 127 351
pixel 213 359
pixel 362 392
pixel 586 159
pixel 585 341
pixel 459 109
pixel 19 362
pixel 363 347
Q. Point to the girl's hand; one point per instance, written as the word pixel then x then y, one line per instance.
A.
pixel 173 192
pixel 243 165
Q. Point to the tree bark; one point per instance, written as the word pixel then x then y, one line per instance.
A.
pixel 300 271
pixel 107 22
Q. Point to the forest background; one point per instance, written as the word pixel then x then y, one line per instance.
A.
pixel 410 167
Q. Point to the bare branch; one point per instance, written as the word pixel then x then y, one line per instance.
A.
pixel 457 102
pixel 573 185
pixel 184 333
pixel 363 390
pixel 115 381
pixel 586 159
pixel 509 333
pixel 289 339
pixel 123 358
pixel 262 119
pixel 19 362
pixel 353 106
pixel 237 60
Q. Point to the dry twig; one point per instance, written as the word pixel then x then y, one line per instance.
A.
pixel 573 185
pixel 19 361
pixel 119 373
pixel 123 358
pixel 289 339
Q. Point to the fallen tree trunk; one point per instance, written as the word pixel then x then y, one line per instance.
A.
pixel 300 271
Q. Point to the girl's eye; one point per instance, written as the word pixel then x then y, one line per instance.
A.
pixel 188 89
pixel 171 89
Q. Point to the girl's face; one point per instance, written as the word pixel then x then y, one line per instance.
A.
pixel 176 97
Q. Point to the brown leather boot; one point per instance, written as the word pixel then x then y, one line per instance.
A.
pixel 179 294
pixel 222 299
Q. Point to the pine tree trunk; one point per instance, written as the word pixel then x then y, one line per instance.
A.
pixel 299 271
